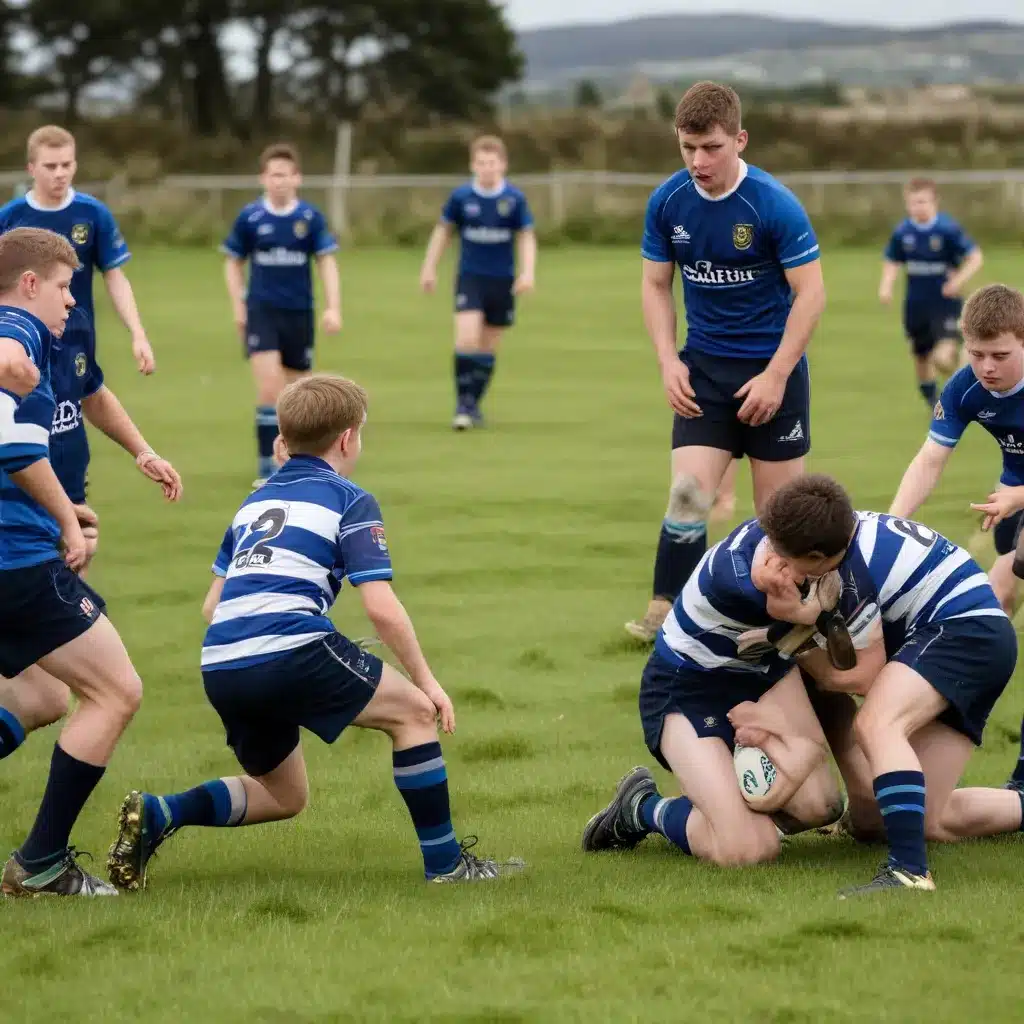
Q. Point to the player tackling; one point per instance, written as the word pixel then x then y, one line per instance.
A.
pixel 754 292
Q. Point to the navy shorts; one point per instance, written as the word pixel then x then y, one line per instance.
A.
pixel 968 661
pixel 42 607
pixel 705 698
pixel 493 296
pixel 1006 533
pixel 287 331
pixel 926 330
pixel 321 686
pixel 715 379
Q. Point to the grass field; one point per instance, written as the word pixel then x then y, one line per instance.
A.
pixel 519 551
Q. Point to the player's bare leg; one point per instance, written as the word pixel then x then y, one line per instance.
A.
pixel 724 507
pixel 697 472
pixel 946 356
pixel 31 700
pixel 768 477
pixel 469 332
pixel 270 379
pixel 1004 583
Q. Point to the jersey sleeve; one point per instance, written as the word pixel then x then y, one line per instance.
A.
pixel 362 543
pixel 111 248
pixel 894 250
pixel 655 245
pixel 792 233
pixel 239 241
pixel 222 562
pixel 524 215
pixel 93 377
pixel 948 420
pixel 24 422
pixel 324 241
pixel 451 212
pixel 961 243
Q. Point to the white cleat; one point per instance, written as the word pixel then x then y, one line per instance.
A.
pixel 462 421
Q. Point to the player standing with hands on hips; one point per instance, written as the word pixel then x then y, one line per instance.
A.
pixel 754 293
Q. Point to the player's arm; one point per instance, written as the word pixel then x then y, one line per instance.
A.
pixel 237 248
pixel 526 254
pixel 212 598
pixel 395 628
pixel 970 264
pixel 808 286
pixel 220 570
pixel 886 286
pixel 920 478
pixel 105 412
pixel 327 268
pixel 18 373
pixel 439 239
pixel 857 680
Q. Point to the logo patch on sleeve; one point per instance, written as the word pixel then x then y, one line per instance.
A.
pixel 939 413
pixel 377 533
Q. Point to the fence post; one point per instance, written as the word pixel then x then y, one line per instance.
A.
pixel 339 183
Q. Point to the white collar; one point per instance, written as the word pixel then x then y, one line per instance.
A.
pixel 489 193
pixel 280 211
pixel 724 195
pixel 1008 394
pixel 926 226
pixel 30 198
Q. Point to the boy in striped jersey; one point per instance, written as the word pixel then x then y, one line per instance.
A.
pixel 274 663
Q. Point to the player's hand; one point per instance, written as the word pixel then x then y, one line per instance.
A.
pixel 676 378
pixel 751 716
pixel 160 470
pixel 74 546
pixel 950 288
pixel 331 321
pixel 143 353
pixel 885 295
pixel 1001 505
pixel 762 396
pixel 428 280
pixel 524 283
pixel 442 703
pixel 90 524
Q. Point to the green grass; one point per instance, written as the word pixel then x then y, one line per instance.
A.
pixel 519 551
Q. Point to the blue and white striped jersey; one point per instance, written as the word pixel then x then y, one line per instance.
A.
pixel 28 533
pixel 284 557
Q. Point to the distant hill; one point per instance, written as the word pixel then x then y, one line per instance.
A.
pixel 770 49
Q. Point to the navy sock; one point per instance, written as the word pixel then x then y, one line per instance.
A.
pixel 68 787
pixel 483 371
pixel 680 547
pixel 266 433
pixel 900 797
pixel 423 782
pixel 219 803
pixel 1018 771
pixel 465 377
pixel 929 391
pixel 12 735
pixel 668 817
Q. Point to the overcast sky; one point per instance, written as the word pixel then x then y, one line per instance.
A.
pixel 536 13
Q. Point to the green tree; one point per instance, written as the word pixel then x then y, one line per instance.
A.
pixel 586 94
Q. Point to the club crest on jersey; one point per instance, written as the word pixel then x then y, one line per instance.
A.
pixel 301 229
pixel 377 533
pixel 80 234
pixel 743 235
pixel 505 207
pixel 80 365
pixel 935 243
pixel 939 413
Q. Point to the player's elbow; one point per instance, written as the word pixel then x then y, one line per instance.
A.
pixel 381 604
pixel 19 374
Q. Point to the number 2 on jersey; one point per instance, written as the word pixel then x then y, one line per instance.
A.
pixel 270 524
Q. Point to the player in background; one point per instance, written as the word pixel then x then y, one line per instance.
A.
pixel 280 235
pixel 274 663
pixel 936 652
pixel 754 292
pixel 988 391
pixel 495 225
pixel 50 617
pixel 939 259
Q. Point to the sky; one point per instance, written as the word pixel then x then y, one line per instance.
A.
pixel 538 13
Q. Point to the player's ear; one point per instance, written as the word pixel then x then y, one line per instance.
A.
pixel 741 140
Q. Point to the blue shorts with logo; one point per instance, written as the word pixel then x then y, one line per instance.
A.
pixel 715 380
pixel 493 296
pixel 925 327
pixel 291 332
pixel 321 686
pixel 705 698
pixel 42 607
pixel 968 661
pixel 1006 533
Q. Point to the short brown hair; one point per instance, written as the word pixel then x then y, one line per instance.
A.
pixel 811 515
pixel 49 135
pixel 313 412
pixel 35 249
pixel 488 144
pixel 706 106
pixel 921 184
pixel 279 151
pixel 992 311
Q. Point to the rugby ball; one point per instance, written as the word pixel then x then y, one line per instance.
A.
pixel 755 771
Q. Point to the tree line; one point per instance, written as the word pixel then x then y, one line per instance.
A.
pixel 242 68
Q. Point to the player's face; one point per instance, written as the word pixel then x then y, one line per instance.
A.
pixel 999 363
pixel 922 206
pixel 53 170
pixel 281 180
pixel 713 159
pixel 488 168
pixel 808 567
pixel 50 296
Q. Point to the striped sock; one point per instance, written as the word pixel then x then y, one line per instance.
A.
pixel 668 818
pixel 900 797
pixel 422 780
pixel 12 735
pixel 220 803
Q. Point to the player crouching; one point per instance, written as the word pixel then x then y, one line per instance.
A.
pixel 274 663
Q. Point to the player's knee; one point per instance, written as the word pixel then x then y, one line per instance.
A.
pixel 124 695
pixel 53 705
pixel 418 712
pixel 757 845
pixel 873 725
pixel 689 506
pixel 293 800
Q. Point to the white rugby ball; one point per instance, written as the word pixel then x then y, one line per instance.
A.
pixel 755 771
